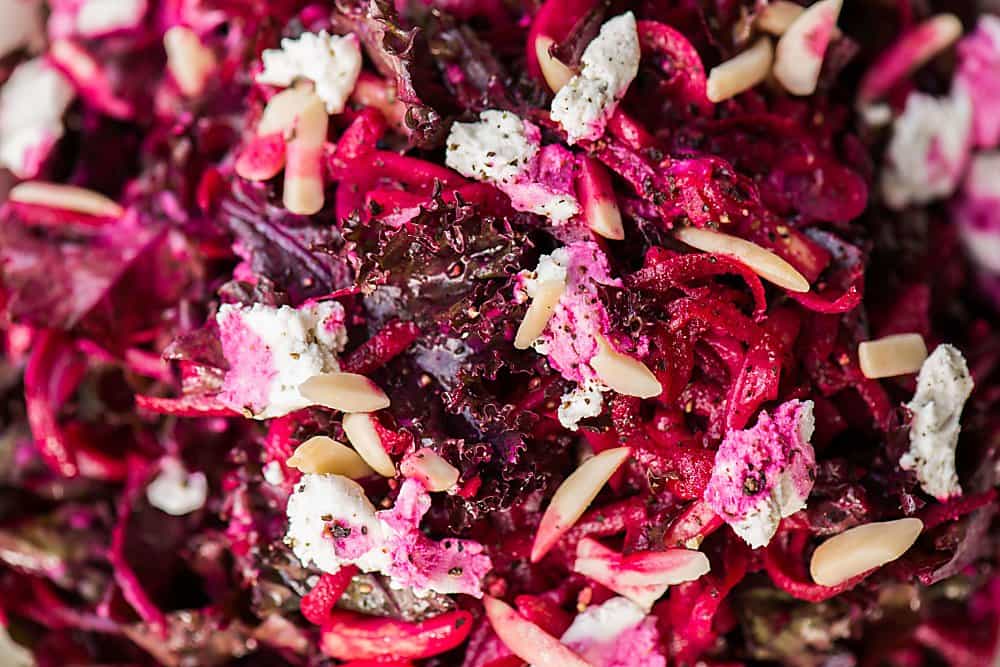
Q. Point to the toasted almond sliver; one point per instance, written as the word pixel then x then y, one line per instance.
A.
pixel 891 356
pixel 347 392
pixel 431 469
pixel 798 58
pixel 623 373
pixel 326 456
pixel 742 72
pixel 188 60
pixel 597 194
pixel 526 640
pixel 66 198
pixel 775 18
pixel 761 261
pixel 362 434
pixel 283 109
pixel 304 160
pixel 862 548
pixel 555 72
pixel 539 313
pixel 573 497
pixel 605 219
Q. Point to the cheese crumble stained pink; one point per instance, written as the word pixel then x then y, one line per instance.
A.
pixel 616 633
pixel 764 473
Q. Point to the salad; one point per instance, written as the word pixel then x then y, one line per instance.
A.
pixel 482 333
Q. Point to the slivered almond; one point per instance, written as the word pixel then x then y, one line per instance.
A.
pixel 304 160
pixel 361 433
pixel 555 72
pixel 543 304
pixel 326 456
pixel 623 373
pixel 777 16
pixel 526 640
pixel 188 60
pixel 573 497
pixel 283 109
pixel 798 57
pixel 862 548
pixel 427 466
pixel 742 72
pixel 761 261
pixel 66 198
pixel 600 205
pixel 891 356
pixel 347 392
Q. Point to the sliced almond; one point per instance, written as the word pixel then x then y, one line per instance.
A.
pixel 65 198
pixel 347 392
pixel 741 73
pixel 600 205
pixel 891 356
pixel 526 640
pixel 304 160
pixel 573 497
pixel 361 433
pixel 862 548
pixel 189 61
pixel 623 373
pixel 283 110
pixel 777 16
pixel 761 261
pixel 555 72
pixel 798 58
pixel 326 456
pixel 643 576
pixel 917 46
pixel 539 313
pixel 431 469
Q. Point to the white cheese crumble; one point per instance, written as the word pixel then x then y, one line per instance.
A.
pixel 331 62
pixel 599 626
pixel 982 189
pixel 32 104
pixel 21 22
pixel 609 63
pixel 943 386
pixel 273 474
pixel 497 148
pixel 176 491
pixel 302 343
pixel 587 400
pixel 320 499
pixel 928 149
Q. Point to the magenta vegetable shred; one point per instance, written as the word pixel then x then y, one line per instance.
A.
pixel 482 333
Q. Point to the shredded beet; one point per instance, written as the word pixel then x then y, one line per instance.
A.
pixel 488 249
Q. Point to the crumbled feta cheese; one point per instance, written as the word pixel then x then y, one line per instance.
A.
pixel 496 149
pixel 929 148
pixel 502 149
pixel 273 474
pixel 570 339
pixel 331 62
pixel 617 633
pixel 587 400
pixel 764 473
pixel 272 351
pixel 22 25
pixel 979 73
pixel 977 211
pixel 94 18
pixel 32 104
pixel 943 386
pixel 609 63
pixel 176 491
pixel 331 523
